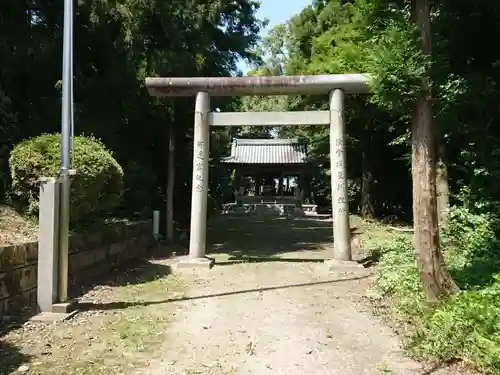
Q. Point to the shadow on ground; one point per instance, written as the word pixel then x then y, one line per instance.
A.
pixel 250 240
pixel 124 305
pixel 134 272
pixel 11 357
pixel 258 259
pixel 265 239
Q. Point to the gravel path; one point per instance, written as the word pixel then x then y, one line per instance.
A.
pixel 286 316
pixel 269 306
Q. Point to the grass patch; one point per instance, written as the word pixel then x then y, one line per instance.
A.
pixel 465 327
pixel 124 330
pixel 125 342
pixel 132 337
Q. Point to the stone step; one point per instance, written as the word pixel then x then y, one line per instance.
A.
pixel 263 209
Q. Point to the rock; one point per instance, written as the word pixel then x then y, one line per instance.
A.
pixel 23 369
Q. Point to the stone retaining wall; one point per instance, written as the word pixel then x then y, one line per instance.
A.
pixel 90 255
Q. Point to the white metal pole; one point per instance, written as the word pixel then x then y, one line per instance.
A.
pixel 72 103
pixel 66 122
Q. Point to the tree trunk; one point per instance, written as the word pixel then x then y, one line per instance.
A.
pixel 367 211
pixel 366 204
pixel 443 187
pixel 436 280
pixel 170 230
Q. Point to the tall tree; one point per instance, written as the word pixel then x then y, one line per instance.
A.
pixel 436 279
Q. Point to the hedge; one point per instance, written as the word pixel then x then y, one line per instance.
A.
pixel 96 189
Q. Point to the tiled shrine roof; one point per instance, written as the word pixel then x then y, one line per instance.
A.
pixel 267 151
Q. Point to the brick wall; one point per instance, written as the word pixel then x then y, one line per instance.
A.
pixel 90 255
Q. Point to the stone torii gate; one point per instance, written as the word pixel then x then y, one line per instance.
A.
pixel 204 87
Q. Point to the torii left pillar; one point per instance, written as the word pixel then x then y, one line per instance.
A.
pixel 201 149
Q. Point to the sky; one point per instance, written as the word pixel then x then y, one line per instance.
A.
pixel 277 11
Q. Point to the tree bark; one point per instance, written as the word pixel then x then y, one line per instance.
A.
pixel 170 230
pixel 443 187
pixel 437 281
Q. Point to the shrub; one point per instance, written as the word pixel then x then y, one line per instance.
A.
pixel 466 326
pixel 96 188
pixel 472 247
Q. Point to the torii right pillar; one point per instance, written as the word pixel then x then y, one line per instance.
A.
pixel 340 203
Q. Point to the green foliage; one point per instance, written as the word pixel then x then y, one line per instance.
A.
pixel 471 243
pixel 364 36
pixel 465 327
pixel 129 40
pixel 397 274
pixel 397 66
pixel 96 189
pixel 8 133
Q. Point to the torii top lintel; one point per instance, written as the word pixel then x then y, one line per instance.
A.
pixel 258 85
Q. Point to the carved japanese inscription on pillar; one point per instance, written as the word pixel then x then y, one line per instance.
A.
pixel 341 202
pixel 200 159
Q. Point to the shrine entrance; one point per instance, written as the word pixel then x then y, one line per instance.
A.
pixel 203 87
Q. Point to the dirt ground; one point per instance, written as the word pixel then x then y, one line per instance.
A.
pixel 269 306
pixel 14 228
